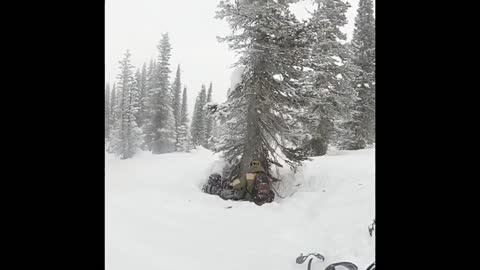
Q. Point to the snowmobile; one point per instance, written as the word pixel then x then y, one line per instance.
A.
pixel 335 266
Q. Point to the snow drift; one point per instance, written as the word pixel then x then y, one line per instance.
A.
pixel 157 217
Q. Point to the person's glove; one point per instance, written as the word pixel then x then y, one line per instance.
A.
pixel 235 183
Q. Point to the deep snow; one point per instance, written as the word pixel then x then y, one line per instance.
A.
pixel 157 217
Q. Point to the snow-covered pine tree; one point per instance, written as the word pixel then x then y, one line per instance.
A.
pixel 194 125
pixel 125 136
pixel 202 123
pixel 134 132
pixel 107 111
pixel 141 78
pixel 198 120
pixel 227 132
pixel 362 127
pixel 160 131
pixel 176 107
pixel 223 129
pixel 183 143
pixel 208 121
pixel 213 141
pixel 148 106
pixel 138 85
pixel 184 110
pixel 329 80
pixel 261 109
pixel 189 144
pixel 113 102
pixel 113 117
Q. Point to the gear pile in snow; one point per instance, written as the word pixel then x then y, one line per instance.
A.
pixel 262 190
pixel 214 184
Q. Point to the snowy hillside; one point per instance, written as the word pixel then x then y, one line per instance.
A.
pixel 157 217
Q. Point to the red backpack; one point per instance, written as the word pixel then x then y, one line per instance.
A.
pixel 263 191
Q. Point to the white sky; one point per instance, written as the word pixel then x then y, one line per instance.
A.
pixel 137 25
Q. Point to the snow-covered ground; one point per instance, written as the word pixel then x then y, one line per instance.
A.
pixel 157 217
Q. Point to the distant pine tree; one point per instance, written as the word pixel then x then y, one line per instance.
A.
pixel 141 78
pixel 183 143
pixel 126 136
pixel 107 111
pixel 176 106
pixel 160 133
pixel 198 120
pixel 148 106
pixel 208 121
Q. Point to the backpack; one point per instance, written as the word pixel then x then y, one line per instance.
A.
pixel 262 190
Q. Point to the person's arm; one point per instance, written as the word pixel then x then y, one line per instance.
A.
pixel 239 183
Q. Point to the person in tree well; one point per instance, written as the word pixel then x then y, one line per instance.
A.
pixel 254 185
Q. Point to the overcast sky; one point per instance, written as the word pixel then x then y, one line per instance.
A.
pixel 137 25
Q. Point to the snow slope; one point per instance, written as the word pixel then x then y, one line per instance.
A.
pixel 157 217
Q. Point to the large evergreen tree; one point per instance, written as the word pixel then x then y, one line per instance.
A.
pixel 329 81
pixel 262 108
